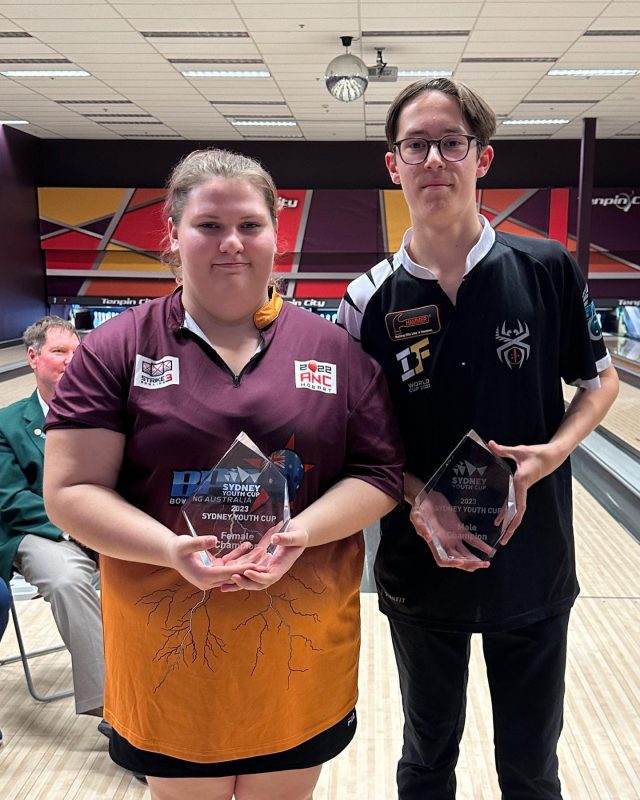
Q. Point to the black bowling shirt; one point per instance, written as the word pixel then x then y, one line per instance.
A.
pixel 492 362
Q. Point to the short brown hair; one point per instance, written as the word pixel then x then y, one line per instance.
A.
pixel 36 334
pixel 476 112
pixel 197 168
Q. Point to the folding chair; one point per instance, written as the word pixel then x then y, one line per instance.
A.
pixel 25 656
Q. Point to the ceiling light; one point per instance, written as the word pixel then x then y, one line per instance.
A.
pixel 591 73
pixel 13 122
pixel 45 73
pixel 347 76
pixel 282 123
pixel 424 73
pixel 535 121
pixel 226 73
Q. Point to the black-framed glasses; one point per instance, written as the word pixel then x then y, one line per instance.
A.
pixel 452 147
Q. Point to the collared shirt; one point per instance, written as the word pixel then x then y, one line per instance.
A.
pixel 246 673
pixel 494 362
pixel 474 256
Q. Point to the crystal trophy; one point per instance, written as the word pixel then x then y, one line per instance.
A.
pixel 239 500
pixel 468 503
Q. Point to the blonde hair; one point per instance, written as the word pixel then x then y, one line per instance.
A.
pixel 200 166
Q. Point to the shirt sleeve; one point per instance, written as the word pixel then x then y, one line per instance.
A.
pixel 374 445
pixel 583 352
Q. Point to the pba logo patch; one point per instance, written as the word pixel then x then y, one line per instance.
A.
pixel 152 374
pixel 319 376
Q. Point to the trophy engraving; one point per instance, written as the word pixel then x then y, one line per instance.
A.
pixel 239 499
pixel 468 503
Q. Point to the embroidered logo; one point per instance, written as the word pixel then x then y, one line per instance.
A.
pixel 412 359
pixel 412 322
pixel 150 374
pixel 513 350
pixel 593 321
pixel 318 376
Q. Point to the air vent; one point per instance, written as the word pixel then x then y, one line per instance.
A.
pixel 492 60
pixel 273 136
pixel 35 61
pixel 611 33
pixel 93 102
pixel 115 115
pixel 195 34
pixel 247 102
pixel 147 122
pixel 558 102
pixel 215 61
pixel 369 34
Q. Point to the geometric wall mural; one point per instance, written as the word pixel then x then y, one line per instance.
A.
pixel 106 244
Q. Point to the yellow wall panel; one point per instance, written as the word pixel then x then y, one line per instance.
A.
pixel 397 218
pixel 76 206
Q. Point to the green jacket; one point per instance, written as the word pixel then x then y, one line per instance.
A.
pixel 21 466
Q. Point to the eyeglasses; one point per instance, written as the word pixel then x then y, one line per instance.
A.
pixel 453 147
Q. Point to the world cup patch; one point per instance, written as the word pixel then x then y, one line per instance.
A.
pixel 152 374
pixel 319 376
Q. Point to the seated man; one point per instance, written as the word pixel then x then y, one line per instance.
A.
pixel 64 573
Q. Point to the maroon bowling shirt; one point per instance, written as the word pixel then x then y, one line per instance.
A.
pixel 246 673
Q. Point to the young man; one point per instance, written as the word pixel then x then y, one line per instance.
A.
pixel 64 574
pixel 462 292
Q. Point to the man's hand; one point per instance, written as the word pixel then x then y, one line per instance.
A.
pixel 450 549
pixel 533 462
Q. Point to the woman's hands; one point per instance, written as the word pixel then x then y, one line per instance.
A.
pixel 268 561
pixel 184 554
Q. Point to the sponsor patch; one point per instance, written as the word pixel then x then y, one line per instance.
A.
pixel 412 359
pixel 513 349
pixel 412 322
pixel 319 376
pixel 152 374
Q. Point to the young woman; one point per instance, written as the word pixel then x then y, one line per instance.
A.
pixel 236 679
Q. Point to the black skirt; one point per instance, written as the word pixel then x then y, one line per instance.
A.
pixel 315 751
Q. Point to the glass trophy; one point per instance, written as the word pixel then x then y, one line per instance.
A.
pixel 239 500
pixel 468 503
